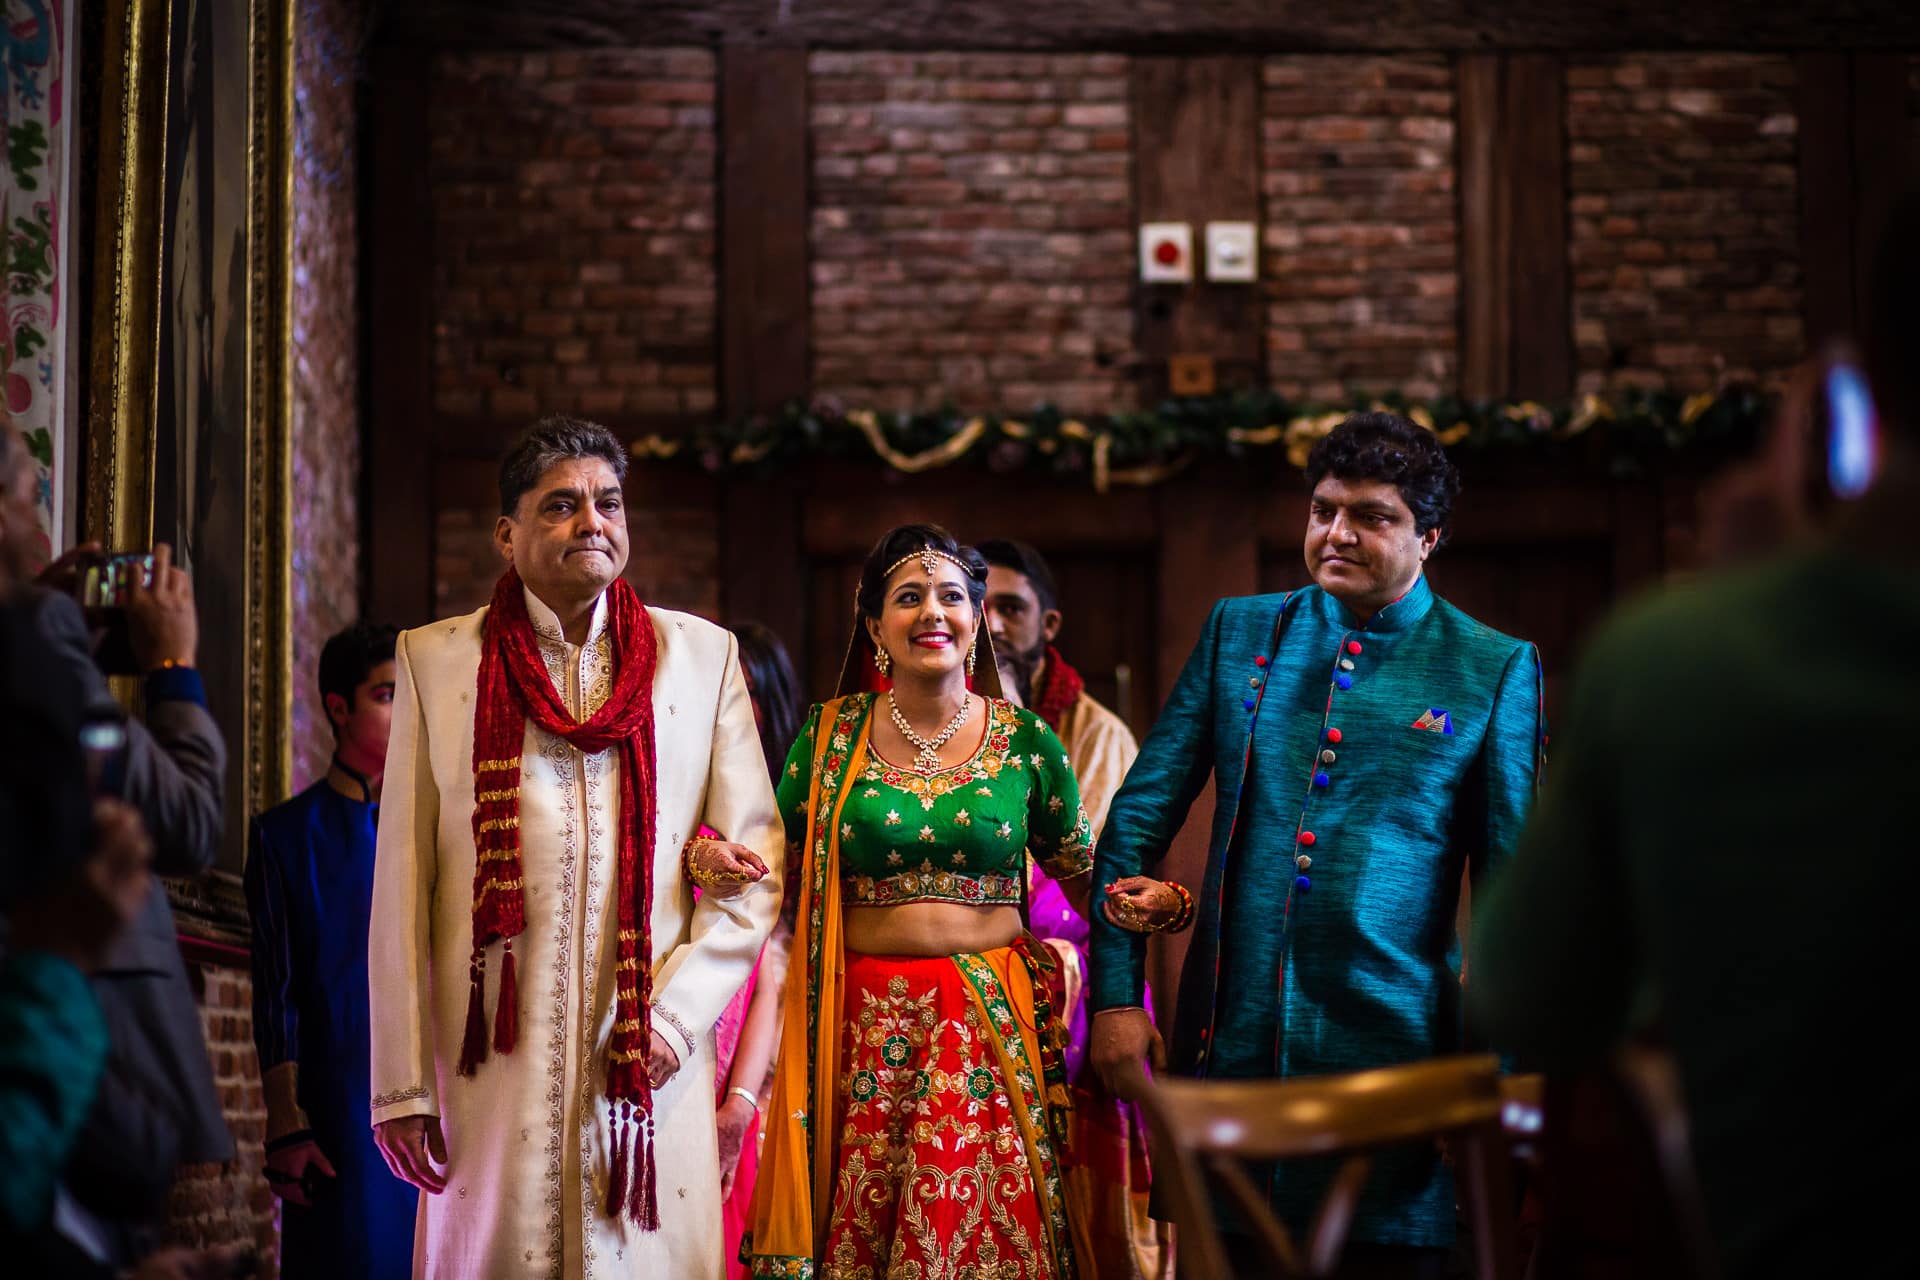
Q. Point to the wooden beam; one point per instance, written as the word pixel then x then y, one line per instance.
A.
pixel 1516 334
pixel 1823 104
pixel 764 297
pixel 398 535
pixel 1486 339
pixel 1160 26
pixel 1207 550
pixel 1196 159
pixel 1882 160
pixel 1541 297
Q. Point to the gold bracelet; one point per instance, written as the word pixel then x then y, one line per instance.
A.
pixel 704 877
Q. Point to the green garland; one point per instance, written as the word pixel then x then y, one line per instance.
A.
pixel 1622 433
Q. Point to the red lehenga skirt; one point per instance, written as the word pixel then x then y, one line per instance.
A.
pixel 947 1162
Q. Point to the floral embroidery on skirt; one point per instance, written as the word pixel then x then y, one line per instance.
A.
pixel 944 1172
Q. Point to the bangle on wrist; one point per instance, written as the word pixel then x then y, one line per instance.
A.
pixel 1185 917
pixel 752 1098
pixel 173 664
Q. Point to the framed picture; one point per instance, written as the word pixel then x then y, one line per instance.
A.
pixel 188 427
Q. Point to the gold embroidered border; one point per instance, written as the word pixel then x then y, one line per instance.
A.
pixel 399 1095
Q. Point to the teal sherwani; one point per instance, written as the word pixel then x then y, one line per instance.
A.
pixel 1358 771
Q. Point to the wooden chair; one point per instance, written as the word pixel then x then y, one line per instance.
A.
pixel 1204 1131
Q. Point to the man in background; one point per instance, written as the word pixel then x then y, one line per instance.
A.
pixel 1111 1176
pixel 1024 618
pixel 309 882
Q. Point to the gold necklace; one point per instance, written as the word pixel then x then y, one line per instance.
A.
pixel 928 758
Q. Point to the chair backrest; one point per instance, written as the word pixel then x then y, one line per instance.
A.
pixel 1205 1131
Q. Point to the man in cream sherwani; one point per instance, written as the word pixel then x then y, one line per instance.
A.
pixel 516 1155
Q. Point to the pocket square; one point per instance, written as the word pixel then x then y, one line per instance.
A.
pixel 1435 720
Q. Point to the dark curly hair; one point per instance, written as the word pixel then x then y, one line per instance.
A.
pixel 899 543
pixel 1385 446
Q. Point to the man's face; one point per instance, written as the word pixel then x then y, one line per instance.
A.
pixel 1020 628
pixel 361 728
pixel 1361 545
pixel 568 535
pixel 21 555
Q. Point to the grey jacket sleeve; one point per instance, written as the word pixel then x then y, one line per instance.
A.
pixel 176 762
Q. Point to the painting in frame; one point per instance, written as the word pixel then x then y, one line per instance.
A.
pixel 188 420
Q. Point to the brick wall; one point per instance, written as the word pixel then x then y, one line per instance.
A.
pixel 573 208
pixel 1684 236
pixel 972 230
pixel 1361 236
pixel 224 1204
pixel 326 372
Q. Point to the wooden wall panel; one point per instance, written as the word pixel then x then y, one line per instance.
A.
pixel 1826 194
pixel 763 227
pixel 1855 145
pixel 1515 328
pixel 398 546
pixel 1196 159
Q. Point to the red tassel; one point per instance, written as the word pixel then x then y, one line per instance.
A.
pixel 473 1049
pixel 617 1165
pixel 646 1191
pixel 506 1015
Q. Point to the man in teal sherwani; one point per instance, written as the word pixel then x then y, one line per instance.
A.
pixel 1368 742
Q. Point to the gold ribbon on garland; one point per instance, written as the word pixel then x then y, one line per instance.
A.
pixel 952 449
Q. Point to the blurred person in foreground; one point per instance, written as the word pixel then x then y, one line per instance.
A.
pixel 309 882
pixel 1370 744
pixel 747 1036
pixel 156 1107
pixel 1726 850
pixel 1109 1175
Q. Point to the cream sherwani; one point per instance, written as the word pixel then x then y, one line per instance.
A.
pixel 527 1136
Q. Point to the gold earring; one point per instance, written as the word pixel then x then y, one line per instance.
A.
pixel 881 661
pixel 973 651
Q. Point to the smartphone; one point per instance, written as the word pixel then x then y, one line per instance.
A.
pixel 1852 432
pixel 101 588
pixel 103 754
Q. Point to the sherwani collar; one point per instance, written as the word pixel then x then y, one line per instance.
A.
pixel 546 623
pixel 1396 617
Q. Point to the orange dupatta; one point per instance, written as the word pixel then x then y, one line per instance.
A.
pixel 791 1193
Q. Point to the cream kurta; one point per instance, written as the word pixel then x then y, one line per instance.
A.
pixel 1102 749
pixel 527 1137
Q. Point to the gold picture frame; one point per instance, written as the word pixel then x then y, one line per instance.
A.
pixel 189 417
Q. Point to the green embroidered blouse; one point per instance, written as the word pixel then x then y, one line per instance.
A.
pixel 955 835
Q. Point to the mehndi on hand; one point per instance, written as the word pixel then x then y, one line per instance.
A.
pixel 1141 904
pixel 721 868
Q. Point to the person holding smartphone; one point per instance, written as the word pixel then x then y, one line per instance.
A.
pixel 157 1106
pixel 1725 851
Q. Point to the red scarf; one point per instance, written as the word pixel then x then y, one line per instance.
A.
pixel 514 688
pixel 1061 689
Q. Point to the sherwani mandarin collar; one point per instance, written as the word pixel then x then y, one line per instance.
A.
pixel 1397 617
pixel 546 623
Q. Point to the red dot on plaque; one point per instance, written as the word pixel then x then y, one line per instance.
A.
pixel 1166 253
